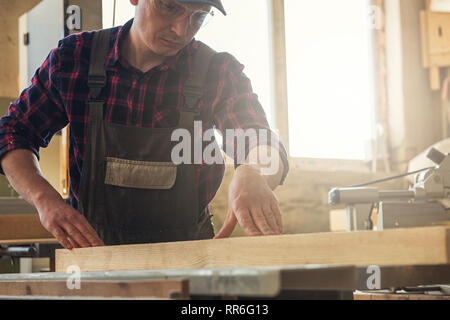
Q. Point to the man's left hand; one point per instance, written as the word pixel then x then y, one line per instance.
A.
pixel 253 204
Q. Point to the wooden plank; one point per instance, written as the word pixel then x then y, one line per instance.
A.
pixel 414 246
pixel 27 226
pixel 172 288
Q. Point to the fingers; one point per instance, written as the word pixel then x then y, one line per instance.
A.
pixel 271 218
pixel 247 222
pixel 70 228
pixel 75 236
pixel 86 231
pixel 258 221
pixel 261 221
pixel 80 233
pixel 228 226
pixel 62 237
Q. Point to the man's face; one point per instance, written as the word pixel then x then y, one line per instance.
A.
pixel 162 35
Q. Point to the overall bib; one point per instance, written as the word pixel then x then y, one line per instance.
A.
pixel 130 190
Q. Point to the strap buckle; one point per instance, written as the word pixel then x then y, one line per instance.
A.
pixel 192 95
pixel 96 81
pixel 96 84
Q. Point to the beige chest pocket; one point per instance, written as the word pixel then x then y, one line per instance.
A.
pixel 140 174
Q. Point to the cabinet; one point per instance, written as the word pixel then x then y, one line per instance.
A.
pixel 435 29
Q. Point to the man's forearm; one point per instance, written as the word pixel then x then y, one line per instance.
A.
pixel 23 173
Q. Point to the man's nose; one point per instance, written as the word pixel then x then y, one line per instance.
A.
pixel 181 25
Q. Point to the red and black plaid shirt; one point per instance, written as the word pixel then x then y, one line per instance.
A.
pixel 59 92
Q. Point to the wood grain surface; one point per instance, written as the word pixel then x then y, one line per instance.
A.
pixel 414 246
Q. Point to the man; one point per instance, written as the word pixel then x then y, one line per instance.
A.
pixel 124 91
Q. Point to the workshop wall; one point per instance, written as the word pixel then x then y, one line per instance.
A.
pixel 304 197
pixel 414 109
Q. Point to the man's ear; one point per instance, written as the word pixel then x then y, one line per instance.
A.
pixel 134 2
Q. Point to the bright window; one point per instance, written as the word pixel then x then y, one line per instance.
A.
pixel 245 33
pixel 329 95
pixel 124 12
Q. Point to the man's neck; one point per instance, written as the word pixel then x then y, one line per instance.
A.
pixel 137 53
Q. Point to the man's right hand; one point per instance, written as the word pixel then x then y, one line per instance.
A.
pixel 68 226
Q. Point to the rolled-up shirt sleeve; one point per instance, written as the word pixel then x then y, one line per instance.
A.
pixel 236 107
pixel 38 113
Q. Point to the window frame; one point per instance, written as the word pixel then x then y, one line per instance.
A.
pixel 280 101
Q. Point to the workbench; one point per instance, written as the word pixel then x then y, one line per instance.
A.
pixel 259 282
pixel 311 281
pixel 307 266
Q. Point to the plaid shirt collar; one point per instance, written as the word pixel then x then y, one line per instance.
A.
pixel 181 62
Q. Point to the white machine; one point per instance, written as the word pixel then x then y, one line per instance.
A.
pixel 426 203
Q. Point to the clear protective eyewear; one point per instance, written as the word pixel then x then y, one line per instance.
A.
pixel 171 10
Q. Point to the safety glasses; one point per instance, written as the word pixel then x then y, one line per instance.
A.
pixel 171 10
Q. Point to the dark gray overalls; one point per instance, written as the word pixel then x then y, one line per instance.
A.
pixel 130 190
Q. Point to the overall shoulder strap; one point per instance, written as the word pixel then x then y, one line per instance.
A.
pixel 97 72
pixel 194 85
pixel 95 146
